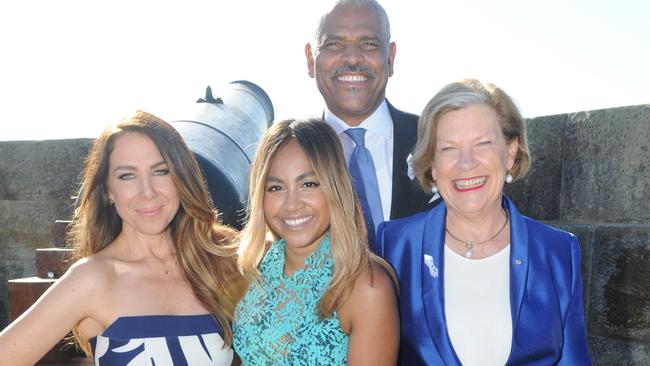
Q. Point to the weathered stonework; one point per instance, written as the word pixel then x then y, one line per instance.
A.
pixel 37 179
pixel 620 291
pixel 607 156
pixel 36 170
pixel 611 352
pixel 10 269
pixel 537 193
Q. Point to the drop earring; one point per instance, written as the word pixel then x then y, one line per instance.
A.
pixel 436 194
pixel 508 178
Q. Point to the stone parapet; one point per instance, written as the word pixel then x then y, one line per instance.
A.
pixel 37 179
pixel 606 175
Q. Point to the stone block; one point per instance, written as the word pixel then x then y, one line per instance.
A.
pixel 27 225
pixel 606 176
pixel 620 283
pixel 609 351
pixel 52 262
pixel 538 194
pixel 48 169
pixel 10 270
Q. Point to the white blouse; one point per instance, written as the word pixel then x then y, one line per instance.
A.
pixel 477 307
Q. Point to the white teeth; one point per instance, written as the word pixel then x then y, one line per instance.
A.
pixel 296 222
pixel 351 78
pixel 469 183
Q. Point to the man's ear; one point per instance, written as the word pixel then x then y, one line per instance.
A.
pixel 310 60
pixel 392 49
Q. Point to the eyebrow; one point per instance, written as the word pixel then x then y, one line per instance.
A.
pixel 300 177
pixel 478 137
pixel 131 167
pixel 338 37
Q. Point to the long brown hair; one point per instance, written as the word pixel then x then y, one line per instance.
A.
pixel 348 233
pixel 206 250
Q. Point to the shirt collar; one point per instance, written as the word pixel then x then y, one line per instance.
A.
pixel 379 122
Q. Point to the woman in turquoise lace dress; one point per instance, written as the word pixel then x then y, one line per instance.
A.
pixel 156 278
pixel 317 296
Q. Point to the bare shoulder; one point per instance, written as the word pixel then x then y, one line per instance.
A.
pixel 76 296
pixel 371 318
pixel 373 295
pixel 94 272
pixel 373 281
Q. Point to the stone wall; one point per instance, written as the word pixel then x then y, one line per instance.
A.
pixel 589 176
pixel 37 179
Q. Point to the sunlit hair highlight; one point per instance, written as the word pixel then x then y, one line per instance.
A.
pixel 205 249
pixel 348 233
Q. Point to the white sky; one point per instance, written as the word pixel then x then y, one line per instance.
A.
pixel 69 68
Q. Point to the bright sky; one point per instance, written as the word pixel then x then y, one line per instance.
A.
pixel 69 68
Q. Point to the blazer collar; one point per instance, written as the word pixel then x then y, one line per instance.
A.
pixel 433 287
pixel 518 259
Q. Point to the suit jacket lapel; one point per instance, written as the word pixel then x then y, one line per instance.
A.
pixel 401 149
pixel 433 287
pixel 518 261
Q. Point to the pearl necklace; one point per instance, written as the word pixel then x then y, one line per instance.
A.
pixel 470 244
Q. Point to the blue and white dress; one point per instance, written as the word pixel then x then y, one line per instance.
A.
pixel 162 340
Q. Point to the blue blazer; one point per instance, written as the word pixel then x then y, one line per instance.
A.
pixel 545 290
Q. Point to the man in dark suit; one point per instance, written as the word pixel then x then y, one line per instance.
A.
pixel 351 58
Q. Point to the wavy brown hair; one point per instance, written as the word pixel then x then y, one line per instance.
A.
pixel 348 232
pixel 205 249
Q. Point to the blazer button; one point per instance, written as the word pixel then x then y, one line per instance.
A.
pixel 517 261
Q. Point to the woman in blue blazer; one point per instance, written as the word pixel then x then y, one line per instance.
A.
pixel 481 284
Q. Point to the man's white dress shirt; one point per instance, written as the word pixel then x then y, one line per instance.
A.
pixel 379 141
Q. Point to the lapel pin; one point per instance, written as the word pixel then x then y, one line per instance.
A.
pixel 409 163
pixel 517 261
pixel 428 261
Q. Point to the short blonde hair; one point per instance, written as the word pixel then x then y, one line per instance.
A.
pixel 459 95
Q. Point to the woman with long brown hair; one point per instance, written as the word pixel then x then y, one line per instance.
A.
pixel 155 279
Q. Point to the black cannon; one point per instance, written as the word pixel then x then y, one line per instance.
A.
pixel 224 134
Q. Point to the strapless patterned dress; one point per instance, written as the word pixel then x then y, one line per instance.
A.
pixel 162 340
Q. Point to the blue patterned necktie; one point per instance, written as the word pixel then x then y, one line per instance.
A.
pixel 364 178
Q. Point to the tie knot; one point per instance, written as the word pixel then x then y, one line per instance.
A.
pixel 357 135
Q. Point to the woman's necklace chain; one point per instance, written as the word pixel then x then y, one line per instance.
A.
pixel 469 245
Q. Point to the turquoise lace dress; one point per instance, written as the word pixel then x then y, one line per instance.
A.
pixel 276 323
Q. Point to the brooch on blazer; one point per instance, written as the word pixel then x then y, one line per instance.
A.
pixel 409 163
pixel 428 261
pixel 411 174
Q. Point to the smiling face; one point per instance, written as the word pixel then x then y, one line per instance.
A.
pixel 140 185
pixel 295 207
pixel 471 160
pixel 351 63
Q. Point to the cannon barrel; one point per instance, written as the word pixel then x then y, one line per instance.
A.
pixel 223 133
